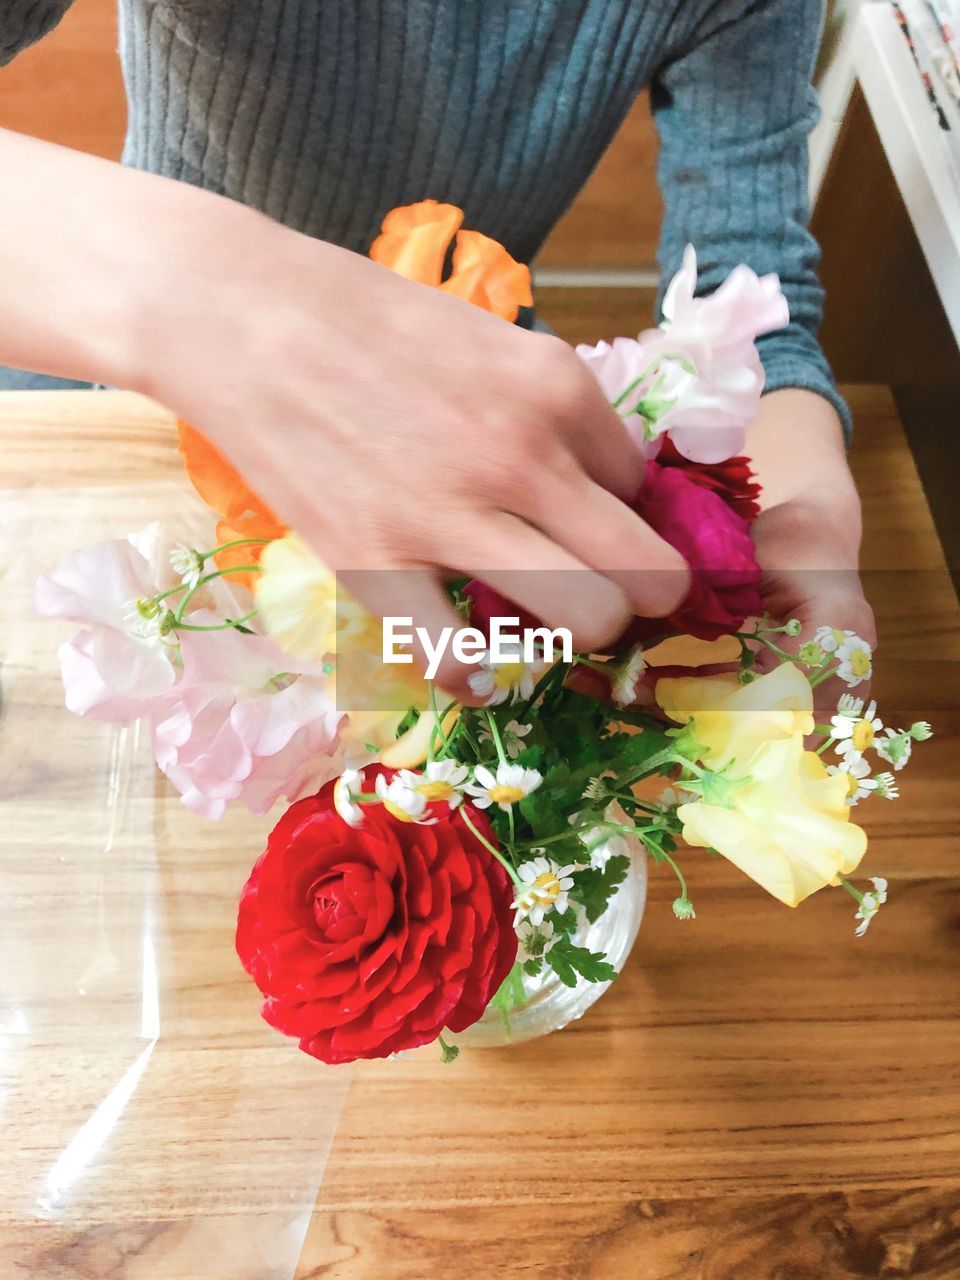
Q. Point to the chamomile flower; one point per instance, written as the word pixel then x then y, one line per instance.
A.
pixel 856 772
pixel 401 801
pixel 895 748
pixel 849 705
pixel 887 786
pixel 441 780
pixel 624 675
pixel 855 734
pixel 870 904
pixel 544 887
pixel 831 638
pixel 511 736
pixel 856 660
pixel 187 562
pixel 513 680
pixel 346 789
pixel 510 784
pixel 920 730
pixel 535 940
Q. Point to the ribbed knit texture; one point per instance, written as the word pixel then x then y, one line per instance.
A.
pixel 325 114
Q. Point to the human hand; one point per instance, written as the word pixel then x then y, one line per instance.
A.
pixel 408 436
pixel 808 532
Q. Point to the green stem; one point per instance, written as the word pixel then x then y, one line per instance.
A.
pixel 679 874
pixel 548 678
pixel 489 847
pixel 222 626
pixel 851 889
pixel 209 577
pixel 495 734
pixel 237 542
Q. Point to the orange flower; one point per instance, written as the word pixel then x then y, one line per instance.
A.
pixel 415 241
pixel 225 491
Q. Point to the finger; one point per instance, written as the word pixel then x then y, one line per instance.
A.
pixel 603 532
pixel 416 595
pixel 587 425
pixel 530 570
pixel 602 445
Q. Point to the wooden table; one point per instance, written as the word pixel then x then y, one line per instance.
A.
pixel 761 1097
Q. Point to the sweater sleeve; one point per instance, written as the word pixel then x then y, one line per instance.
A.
pixel 23 22
pixel 734 107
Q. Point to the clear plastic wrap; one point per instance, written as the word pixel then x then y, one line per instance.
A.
pixel 153 1125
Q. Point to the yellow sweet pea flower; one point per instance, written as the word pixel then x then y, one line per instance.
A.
pixel 732 720
pixel 314 619
pixel 296 596
pixel 788 826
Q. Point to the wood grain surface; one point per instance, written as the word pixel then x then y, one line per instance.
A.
pixel 760 1097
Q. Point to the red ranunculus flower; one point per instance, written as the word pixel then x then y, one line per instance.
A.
pixel 716 544
pixel 368 940
pixel 733 479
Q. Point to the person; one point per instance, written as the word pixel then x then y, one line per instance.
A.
pixel 219 269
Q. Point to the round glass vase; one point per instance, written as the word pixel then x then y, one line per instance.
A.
pixel 549 1005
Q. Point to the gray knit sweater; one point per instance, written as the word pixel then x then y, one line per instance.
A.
pixel 325 114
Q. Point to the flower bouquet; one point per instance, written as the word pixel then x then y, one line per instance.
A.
pixel 446 871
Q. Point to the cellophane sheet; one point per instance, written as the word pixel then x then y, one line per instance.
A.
pixel 152 1125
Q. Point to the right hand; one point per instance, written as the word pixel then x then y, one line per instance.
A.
pixel 401 430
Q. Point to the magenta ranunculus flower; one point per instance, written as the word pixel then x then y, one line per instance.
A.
pixel 716 544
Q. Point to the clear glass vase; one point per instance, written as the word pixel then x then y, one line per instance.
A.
pixel 549 1004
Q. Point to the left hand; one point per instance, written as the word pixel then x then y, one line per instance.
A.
pixel 808 533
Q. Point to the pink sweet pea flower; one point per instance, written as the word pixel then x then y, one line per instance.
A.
pixel 247 724
pixel 234 717
pixel 699 377
pixel 115 669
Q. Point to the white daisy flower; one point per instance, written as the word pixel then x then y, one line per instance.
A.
pixel 544 887
pixel 887 786
pixel 830 638
pixel 870 904
pixel 513 680
pixel 511 736
pixel 187 562
pixel 895 748
pixel 855 734
pixel 849 705
pixel 506 787
pixel 441 780
pixel 535 940
pixel 856 660
pixel 401 801
pixel 624 675
pixel 856 771
pixel 345 790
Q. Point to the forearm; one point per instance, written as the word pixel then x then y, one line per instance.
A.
pixel 91 254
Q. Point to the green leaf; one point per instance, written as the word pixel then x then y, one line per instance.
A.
pixel 567 961
pixel 511 992
pixel 594 888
